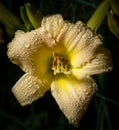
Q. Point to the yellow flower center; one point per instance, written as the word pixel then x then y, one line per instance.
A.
pixel 60 65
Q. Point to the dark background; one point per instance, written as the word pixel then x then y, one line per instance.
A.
pixel 44 114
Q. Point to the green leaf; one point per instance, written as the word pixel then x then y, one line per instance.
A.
pixel 113 23
pixel 25 19
pixel 34 15
pixel 98 16
pixel 10 21
pixel 115 6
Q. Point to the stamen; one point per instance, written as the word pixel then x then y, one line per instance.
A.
pixel 59 64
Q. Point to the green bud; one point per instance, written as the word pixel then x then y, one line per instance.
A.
pixel 98 16
pixel 113 23
pixel 34 15
pixel 115 6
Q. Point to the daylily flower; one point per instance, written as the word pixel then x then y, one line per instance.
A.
pixel 60 56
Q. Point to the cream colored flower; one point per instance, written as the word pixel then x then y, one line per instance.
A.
pixel 60 56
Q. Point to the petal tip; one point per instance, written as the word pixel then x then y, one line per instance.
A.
pixel 28 89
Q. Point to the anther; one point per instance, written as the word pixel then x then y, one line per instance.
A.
pixel 59 64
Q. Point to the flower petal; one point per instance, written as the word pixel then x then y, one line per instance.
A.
pixel 53 24
pixel 80 41
pixel 73 96
pixel 28 89
pixel 101 63
pixel 32 51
